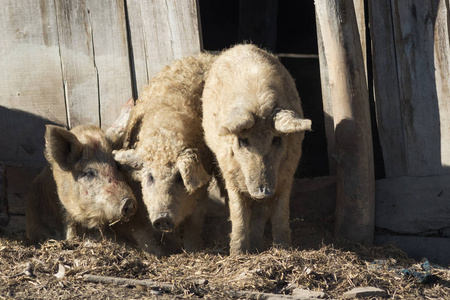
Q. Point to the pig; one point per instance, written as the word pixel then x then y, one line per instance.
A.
pixel 254 125
pixel 165 151
pixel 81 188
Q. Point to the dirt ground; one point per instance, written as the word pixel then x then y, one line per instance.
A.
pixel 58 269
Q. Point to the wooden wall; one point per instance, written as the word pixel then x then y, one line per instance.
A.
pixel 78 62
pixel 411 81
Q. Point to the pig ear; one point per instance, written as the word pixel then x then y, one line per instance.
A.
pixel 287 121
pixel 116 133
pixel 62 147
pixel 130 161
pixel 238 120
pixel 191 170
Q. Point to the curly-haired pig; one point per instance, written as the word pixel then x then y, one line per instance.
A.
pixel 81 188
pixel 253 123
pixel 165 148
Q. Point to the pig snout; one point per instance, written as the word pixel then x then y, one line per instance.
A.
pixel 262 192
pixel 164 222
pixel 129 208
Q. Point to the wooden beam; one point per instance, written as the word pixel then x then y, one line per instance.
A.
pixel 434 249
pixel 355 203
pixel 412 205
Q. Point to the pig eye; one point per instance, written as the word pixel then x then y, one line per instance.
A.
pixel 243 142
pixel 89 174
pixel 276 141
pixel 151 179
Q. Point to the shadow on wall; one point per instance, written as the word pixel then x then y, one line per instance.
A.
pixel 22 137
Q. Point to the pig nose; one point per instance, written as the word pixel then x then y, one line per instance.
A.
pixel 264 192
pixel 128 208
pixel 163 223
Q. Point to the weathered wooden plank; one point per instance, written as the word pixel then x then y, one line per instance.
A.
pixel 78 62
pixel 414 24
pixel 413 204
pixel 94 54
pixel 411 63
pixel 110 45
pixel 361 22
pixel 387 89
pixel 354 155
pixel 161 31
pixel 442 75
pixel 436 250
pixel 327 84
pixel 31 86
pixel 327 103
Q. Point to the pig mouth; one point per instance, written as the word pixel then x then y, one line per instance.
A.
pixel 127 211
pixel 164 222
pixel 129 208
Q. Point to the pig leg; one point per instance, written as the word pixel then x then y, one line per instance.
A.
pixel 259 217
pixel 71 230
pixel 192 230
pixel 240 221
pixel 280 220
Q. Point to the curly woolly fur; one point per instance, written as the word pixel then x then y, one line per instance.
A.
pixel 164 141
pixel 62 198
pixel 167 117
pixel 254 124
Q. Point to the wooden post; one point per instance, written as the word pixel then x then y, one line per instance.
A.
pixel 344 65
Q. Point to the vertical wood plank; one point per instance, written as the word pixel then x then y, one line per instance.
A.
pixel 31 86
pixel 411 84
pixel 442 74
pixel 361 22
pixel 387 89
pixel 355 201
pixel 327 103
pixel 414 23
pixel 162 31
pixel 109 38
pixel 78 62
pixel 96 67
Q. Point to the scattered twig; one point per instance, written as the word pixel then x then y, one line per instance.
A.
pixel 127 281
